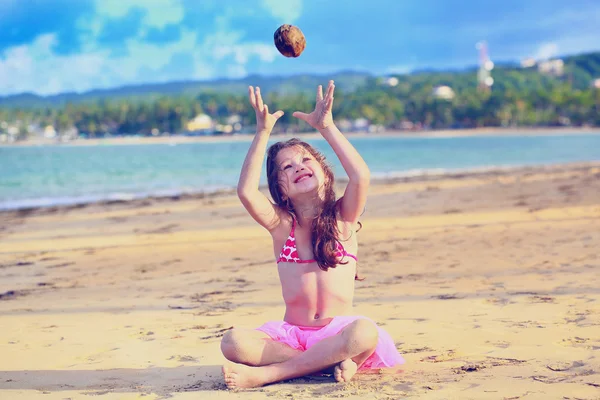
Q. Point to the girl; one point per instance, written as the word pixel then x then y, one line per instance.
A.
pixel 314 239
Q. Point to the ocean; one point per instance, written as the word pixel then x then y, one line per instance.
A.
pixel 38 176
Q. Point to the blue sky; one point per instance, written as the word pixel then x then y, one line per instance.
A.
pixel 53 46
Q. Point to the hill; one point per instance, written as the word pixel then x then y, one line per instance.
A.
pixel 580 70
pixel 283 85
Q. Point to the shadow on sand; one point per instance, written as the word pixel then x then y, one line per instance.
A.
pixel 159 380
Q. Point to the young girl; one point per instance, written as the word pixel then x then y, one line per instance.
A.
pixel 314 239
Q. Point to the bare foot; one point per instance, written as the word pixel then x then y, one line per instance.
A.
pixel 345 370
pixel 239 376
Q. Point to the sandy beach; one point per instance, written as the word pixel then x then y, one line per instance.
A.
pixel 488 282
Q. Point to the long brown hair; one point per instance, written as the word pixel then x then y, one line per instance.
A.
pixel 324 231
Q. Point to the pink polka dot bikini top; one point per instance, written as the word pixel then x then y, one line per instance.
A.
pixel 289 252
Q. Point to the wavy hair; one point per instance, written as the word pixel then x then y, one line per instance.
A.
pixel 324 232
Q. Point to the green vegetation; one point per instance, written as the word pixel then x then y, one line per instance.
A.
pixel 519 97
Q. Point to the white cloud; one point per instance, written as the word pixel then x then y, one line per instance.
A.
pixel 287 12
pixel 578 43
pixel 569 16
pixel 243 51
pixel 565 45
pixel 400 69
pixel 35 67
pixel 522 21
pixel 152 55
pixel 236 71
pixel 158 13
pixel 546 51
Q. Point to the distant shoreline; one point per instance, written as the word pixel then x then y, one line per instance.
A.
pixel 447 133
pixel 378 180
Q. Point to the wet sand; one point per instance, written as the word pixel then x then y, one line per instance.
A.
pixel 488 282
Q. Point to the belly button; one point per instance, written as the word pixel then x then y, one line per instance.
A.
pixel 316 316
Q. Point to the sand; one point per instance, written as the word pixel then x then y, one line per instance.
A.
pixel 488 282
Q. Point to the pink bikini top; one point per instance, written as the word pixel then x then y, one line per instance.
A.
pixel 289 252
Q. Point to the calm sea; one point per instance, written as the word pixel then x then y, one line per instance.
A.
pixel 55 175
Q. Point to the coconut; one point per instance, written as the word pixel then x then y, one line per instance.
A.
pixel 289 40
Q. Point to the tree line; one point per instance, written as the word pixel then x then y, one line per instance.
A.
pixel 519 98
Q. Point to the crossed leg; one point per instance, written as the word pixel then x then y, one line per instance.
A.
pixel 254 348
pixel 270 361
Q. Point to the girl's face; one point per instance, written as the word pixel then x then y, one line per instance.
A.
pixel 299 172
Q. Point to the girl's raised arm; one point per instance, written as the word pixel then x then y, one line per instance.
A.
pixel 355 197
pixel 257 204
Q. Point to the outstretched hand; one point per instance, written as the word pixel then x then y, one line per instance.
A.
pixel 321 117
pixel 264 120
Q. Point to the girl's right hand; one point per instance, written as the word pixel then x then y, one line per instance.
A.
pixel 264 120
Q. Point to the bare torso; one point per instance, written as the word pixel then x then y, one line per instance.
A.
pixel 312 296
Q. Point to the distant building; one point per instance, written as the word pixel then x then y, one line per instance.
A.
pixel 406 125
pixel 201 124
pixel 12 130
pixel 69 134
pixel 49 132
pixel 223 129
pixel 392 81
pixel 528 62
pixel 235 121
pixel 344 125
pixel 360 125
pixel 443 92
pixel 376 128
pixel 552 67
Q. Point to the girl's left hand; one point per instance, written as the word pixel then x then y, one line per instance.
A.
pixel 264 120
pixel 321 118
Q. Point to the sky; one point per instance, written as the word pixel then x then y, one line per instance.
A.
pixel 55 46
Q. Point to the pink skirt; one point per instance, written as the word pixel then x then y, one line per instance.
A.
pixel 302 338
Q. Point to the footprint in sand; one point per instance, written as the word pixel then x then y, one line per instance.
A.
pixel 499 301
pixel 416 350
pixel 564 365
pixel 580 342
pixel 500 344
pixel 62 265
pixel 217 333
pixel 542 299
pixel 163 229
pixel 13 294
pixel 184 358
pixel 489 362
pixel 448 297
pixel 445 356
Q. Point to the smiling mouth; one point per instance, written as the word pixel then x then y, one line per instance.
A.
pixel 301 177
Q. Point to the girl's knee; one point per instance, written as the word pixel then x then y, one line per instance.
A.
pixel 229 336
pixel 363 333
pixel 231 343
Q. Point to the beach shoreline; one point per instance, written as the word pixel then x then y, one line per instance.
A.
pixel 180 139
pixel 421 176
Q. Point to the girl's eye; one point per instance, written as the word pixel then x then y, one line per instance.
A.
pixel 306 159
pixel 287 166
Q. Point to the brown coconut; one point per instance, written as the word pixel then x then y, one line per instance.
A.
pixel 289 40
